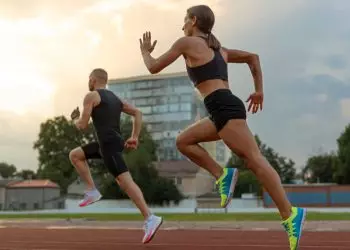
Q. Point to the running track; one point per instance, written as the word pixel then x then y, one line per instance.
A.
pixel 116 239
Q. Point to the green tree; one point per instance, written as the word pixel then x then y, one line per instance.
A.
pixel 342 172
pixel 57 137
pixel 320 168
pixel 7 170
pixel 26 174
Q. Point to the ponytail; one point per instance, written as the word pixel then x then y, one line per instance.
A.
pixel 213 42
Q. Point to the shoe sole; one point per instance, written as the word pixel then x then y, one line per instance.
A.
pixel 155 231
pixel 232 188
pixel 302 226
pixel 99 198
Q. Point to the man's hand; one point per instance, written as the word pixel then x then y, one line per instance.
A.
pixel 132 143
pixel 75 114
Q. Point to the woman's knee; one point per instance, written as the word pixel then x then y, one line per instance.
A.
pixel 254 160
pixel 182 143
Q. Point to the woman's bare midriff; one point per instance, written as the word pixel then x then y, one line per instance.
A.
pixel 207 87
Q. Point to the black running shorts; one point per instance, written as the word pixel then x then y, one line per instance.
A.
pixel 223 106
pixel 110 153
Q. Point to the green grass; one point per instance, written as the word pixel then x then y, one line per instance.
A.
pixel 312 216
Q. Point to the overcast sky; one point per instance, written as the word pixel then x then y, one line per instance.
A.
pixel 48 48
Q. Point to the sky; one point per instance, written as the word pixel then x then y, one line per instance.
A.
pixel 49 47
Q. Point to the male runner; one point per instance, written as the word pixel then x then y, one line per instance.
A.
pixel 105 108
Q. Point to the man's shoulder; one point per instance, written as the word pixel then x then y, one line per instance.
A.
pixel 92 97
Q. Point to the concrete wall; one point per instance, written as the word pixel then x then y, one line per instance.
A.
pixel 314 196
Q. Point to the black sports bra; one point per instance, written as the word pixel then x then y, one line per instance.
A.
pixel 214 69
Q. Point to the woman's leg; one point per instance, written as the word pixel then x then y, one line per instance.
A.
pixel 188 144
pixel 239 139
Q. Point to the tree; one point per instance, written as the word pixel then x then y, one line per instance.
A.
pixel 342 172
pixel 26 174
pixel 320 168
pixel 57 137
pixel 284 167
pixel 7 170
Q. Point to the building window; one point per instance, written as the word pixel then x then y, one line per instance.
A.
pixel 174 107
pixel 36 205
pixel 146 109
pixel 173 99
pixel 23 206
pixel 186 98
pixel 186 106
pixel 177 180
pixel 160 109
pixel 61 205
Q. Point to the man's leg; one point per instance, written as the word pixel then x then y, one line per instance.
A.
pixel 78 157
pixel 116 165
pixel 127 184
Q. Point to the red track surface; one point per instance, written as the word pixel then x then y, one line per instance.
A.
pixel 88 239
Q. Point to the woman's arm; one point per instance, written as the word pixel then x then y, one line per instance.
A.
pixel 240 56
pixel 155 65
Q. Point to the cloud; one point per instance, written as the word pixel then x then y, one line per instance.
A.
pixel 57 43
pixel 336 62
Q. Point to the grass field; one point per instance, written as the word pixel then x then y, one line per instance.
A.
pixel 180 217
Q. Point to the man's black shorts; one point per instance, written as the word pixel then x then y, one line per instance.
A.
pixel 110 153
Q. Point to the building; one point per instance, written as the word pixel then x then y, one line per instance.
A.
pixel 313 195
pixel 33 195
pixel 3 187
pixel 170 103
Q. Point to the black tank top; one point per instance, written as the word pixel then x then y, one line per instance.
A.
pixel 214 69
pixel 106 116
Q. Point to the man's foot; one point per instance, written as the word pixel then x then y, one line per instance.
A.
pixel 151 227
pixel 294 226
pixel 227 183
pixel 90 197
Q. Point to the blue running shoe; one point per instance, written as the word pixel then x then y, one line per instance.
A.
pixel 294 226
pixel 227 183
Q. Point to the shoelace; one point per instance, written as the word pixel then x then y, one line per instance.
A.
pixel 290 228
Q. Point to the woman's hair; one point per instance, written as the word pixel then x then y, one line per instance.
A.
pixel 205 22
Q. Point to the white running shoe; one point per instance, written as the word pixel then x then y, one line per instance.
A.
pixel 90 197
pixel 151 226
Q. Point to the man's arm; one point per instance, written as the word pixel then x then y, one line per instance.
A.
pixel 155 65
pixel 240 56
pixel 137 121
pixel 90 101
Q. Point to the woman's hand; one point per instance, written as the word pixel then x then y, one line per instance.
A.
pixel 146 43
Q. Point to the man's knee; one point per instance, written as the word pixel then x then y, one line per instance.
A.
pixel 76 154
pixel 124 179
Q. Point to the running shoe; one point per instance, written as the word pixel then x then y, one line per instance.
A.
pixel 294 226
pixel 90 197
pixel 227 183
pixel 151 226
